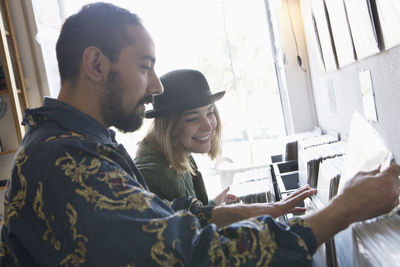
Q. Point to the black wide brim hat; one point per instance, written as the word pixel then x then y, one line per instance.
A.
pixel 183 90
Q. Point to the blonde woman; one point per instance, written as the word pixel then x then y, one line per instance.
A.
pixel 186 121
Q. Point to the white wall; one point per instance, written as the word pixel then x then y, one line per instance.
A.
pixel 298 79
pixel 385 74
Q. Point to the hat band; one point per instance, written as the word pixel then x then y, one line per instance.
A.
pixel 183 106
pixel 177 101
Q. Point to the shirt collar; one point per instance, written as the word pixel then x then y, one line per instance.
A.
pixel 68 117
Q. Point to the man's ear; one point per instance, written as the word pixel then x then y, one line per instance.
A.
pixel 94 63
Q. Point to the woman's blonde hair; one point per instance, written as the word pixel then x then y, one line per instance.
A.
pixel 162 135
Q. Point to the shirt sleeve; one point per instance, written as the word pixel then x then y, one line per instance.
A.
pixel 211 202
pixel 82 210
pixel 196 207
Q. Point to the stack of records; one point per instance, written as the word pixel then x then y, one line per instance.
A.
pixel 311 157
pixel 291 147
pixel 377 240
pixel 252 186
pixel 316 141
pixel 328 180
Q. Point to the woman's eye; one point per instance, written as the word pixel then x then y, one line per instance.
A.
pixel 191 119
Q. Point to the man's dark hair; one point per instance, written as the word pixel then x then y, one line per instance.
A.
pixel 101 25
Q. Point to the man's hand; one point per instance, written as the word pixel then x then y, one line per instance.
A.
pixel 370 194
pixel 224 215
pixel 366 195
pixel 289 204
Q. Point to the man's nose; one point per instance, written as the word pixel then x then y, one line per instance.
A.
pixel 155 86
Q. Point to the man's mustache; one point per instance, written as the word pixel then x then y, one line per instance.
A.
pixel 147 99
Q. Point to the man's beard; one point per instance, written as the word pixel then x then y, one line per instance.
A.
pixel 112 110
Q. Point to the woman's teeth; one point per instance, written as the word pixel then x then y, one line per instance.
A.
pixel 202 138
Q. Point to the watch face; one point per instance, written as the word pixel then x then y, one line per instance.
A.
pixel 3 107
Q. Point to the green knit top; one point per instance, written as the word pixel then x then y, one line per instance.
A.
pixel 166 182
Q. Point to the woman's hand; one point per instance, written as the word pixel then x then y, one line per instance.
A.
pixel 224 197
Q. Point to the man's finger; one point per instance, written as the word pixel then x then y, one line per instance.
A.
pixel 304 192
pixel 376 171
pixel 299 191
pixel 298 210
pixel 292 202
pixel 392 170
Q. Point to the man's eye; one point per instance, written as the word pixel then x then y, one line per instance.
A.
pixel 145 67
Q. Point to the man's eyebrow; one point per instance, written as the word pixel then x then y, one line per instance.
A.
pixel 147 57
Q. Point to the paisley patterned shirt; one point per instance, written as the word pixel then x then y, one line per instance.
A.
pixel 76 198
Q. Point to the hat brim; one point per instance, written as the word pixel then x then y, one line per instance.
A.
pixel 184 106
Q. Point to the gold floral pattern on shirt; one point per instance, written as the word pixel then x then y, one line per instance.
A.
pixel 117 179
pixel 256 238
pixel 38 207
pixel 128 196
pixel 139 200
pixel 169 203
pixel 195 226
pixel 298 221
pixel 303 244
pixel 103 149
pixel 12 207
pixel 31 121
pixel 5 250
pixel 266 241
pixel 158 253
pixel 65 135
pixel 78 172
pixel 77 257
pixel 104 152
pixel 216 252
pixel 300 241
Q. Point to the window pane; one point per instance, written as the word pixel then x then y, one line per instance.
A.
pixel 228 40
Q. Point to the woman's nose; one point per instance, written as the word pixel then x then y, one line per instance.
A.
pixel 207 125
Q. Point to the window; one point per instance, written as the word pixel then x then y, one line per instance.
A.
pixel 228 40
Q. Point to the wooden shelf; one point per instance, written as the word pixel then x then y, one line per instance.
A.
pixel 5 92
pixel 12 67
pixel 8 152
